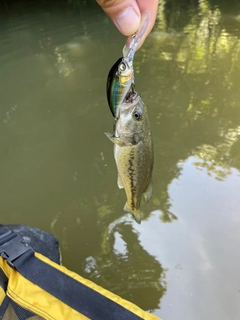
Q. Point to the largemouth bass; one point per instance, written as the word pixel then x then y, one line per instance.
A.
pixel 133 153
pixel 120 78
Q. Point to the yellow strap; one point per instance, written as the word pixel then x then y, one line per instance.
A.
pixel 126 304
pixel 33 298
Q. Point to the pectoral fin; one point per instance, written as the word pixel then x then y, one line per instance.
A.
pixel 148 193
pixel 119 182
pixel 114 139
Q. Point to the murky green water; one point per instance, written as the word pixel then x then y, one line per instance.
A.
pixel 57 167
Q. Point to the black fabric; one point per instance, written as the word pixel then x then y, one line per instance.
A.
pixel 6 234
pixel 3 306
pixel 73 293
pixel 3 280
pixel 21 313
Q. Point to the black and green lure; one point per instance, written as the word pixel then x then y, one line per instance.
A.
pixel 119 82
pixel 120 79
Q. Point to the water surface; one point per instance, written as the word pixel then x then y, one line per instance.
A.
pixel 57 167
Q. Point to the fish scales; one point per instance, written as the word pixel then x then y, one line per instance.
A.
pixel 133 153
pixel 134 170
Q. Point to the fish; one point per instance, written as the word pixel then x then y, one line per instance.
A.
pixel 120 80
pixel 133 153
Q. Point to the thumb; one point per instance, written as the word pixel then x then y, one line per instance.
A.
pixel 125 14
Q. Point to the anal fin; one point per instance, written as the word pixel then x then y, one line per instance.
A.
pixel 148 193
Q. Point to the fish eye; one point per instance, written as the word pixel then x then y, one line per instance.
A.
pixel 122 66
pixel 137 115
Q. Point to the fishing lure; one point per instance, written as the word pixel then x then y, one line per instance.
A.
pixel 120 79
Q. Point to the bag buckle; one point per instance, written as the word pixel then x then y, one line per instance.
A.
pixel 13 247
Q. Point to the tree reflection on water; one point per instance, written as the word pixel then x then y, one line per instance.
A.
pixel 196 60
pixel 139 277
pixel 192 68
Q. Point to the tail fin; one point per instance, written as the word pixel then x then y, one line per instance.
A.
pixel 135 213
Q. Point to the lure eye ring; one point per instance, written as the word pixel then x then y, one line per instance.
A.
pixel 122 67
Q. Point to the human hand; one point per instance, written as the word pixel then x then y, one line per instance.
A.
pixel 126 14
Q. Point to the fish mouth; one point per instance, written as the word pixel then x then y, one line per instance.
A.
pixel 132 98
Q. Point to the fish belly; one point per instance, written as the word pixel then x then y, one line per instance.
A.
pixel 134 164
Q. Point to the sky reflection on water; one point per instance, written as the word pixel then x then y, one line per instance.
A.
pixel 57 167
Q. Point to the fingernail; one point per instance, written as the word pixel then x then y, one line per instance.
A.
pixel 127 21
